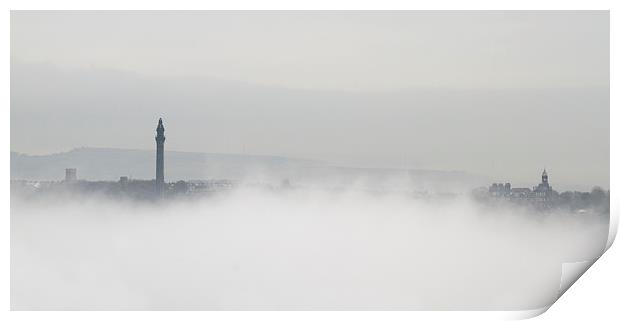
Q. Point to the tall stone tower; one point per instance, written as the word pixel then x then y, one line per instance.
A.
pixel 545 178
pixel 159 166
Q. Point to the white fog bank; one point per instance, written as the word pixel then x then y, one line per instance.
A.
pixel 292 251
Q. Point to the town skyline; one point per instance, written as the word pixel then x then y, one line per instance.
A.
pixel 535 173
pixel 541 193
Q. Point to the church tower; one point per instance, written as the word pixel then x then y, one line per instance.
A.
pixel 159 166
pixel 543 192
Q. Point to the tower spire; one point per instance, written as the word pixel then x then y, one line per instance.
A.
pixel 159 162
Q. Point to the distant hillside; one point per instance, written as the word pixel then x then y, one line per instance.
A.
pixel 110 164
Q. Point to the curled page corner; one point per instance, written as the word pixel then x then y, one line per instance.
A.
pixel 571 272
pixel 613 230
pixel 526 314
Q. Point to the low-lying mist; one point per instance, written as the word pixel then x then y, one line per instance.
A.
pixel 297 249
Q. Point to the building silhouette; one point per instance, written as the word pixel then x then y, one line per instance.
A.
pixel 160 185
pixel 123 181
pixel 70 174
pixel 541 193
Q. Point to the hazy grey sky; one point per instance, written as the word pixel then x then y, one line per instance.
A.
pixel 498 93
pixel 330 50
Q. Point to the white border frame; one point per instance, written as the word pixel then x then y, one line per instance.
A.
pixel 604 284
